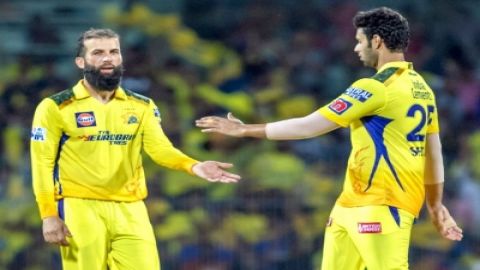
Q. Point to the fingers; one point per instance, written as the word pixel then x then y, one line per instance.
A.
pixel 209 130
pixel 233 118
pixel 451 230
pixel 226 178
pixel 224 165
pixel 208 124
pixel 230 177
pixel 223 176
pixel 208 121
pixel 454 233
pixel 55 231
pixel 213 171
pixel 58 237
pixel 448 226
pixel 66 231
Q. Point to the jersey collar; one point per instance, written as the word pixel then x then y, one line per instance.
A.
pixel 396 64
pixel 81 92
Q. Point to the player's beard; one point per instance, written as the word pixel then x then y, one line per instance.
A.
pixel 103 82
pixel 370 57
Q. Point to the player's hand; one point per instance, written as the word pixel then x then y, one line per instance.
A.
pixel 445 224
pixel 213 171
pixel 55 231
pixel 230 125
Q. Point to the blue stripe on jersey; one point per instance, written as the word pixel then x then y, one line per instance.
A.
pixel 395 215
pixel 61 209
pixel 375 126
pixel 56 170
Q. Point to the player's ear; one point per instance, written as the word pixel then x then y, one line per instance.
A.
pixel 80 62
pixel 376 41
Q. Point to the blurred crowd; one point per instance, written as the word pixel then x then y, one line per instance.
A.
pixel 263 61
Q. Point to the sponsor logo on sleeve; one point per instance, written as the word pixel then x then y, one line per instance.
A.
pixel 339 106
pixel 85 119
pixel 358 94
pixel 38 134
pixel 369 227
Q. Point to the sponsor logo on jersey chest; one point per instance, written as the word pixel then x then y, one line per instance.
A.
pixel 106 136
pixel 85 119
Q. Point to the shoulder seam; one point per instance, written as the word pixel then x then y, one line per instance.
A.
pixel 62 97
pixel 137 96
pixel 385 74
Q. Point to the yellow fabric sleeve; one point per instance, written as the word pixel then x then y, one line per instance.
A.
pixel 159 147
pixel 45 139
pixel 364 97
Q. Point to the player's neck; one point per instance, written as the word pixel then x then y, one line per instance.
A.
pixel 388 57
pixel 102 96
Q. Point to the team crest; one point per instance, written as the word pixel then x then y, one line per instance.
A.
pixel 130 118
pixel 339 106
pixel 85 119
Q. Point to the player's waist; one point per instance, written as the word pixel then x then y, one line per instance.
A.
pixel 127 192
pixel 356 200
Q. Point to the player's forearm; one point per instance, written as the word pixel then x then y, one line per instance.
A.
pixel 309 126
pixel 434 172
pixel 434 169
pixel 43 182
pixel 44 190
pixel 433 196
pixel 253 130
pixel 170 157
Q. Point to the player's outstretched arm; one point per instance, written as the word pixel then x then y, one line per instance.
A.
pixel 230 126
pixel 213 171
pixel 309 126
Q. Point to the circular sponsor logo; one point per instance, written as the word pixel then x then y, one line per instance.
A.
pixel 85 119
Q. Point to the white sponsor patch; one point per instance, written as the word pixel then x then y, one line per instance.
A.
pixel 370 227
pixel 38 134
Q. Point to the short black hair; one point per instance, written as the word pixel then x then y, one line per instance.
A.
pixel 387 23
pixel 93 33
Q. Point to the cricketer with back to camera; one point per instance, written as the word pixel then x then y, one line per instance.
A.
pixel 396 159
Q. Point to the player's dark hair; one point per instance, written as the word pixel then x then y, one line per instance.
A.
pixel 93 33
pixel 387 23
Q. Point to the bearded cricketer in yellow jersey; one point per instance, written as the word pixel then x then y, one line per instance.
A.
pixel 88 178
pixel 396 157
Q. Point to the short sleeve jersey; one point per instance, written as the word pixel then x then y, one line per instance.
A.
pixel 85 149
pixel 389 116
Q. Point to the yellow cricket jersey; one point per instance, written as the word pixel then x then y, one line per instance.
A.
pixel 389 116
pixel 85 149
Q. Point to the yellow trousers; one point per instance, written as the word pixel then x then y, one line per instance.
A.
pixel 372 237
pixel 108 235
